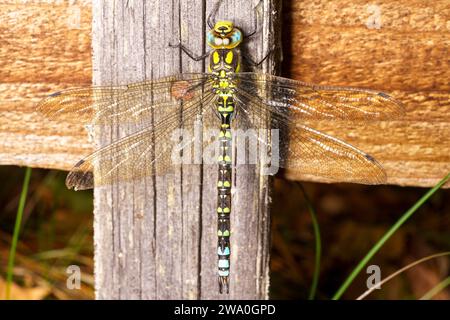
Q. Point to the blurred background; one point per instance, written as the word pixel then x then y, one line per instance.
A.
pixel 57 232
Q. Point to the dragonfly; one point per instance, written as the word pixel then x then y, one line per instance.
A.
pixel 229 98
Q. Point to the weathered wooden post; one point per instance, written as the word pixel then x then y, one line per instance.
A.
pixel 156 239
pixel 159 241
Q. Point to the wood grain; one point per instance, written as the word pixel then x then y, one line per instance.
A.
pixel 44 47
pixel 42 50
pixel 157 238
pixel 407 56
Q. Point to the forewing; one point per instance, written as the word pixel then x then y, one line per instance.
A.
pixel 309 101
pixel 128 104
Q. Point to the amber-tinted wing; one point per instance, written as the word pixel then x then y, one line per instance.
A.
pixel 156 108
pixel 287 97
pixel 147 152
pixel 314 153
pixel 275 102
pixel 132 103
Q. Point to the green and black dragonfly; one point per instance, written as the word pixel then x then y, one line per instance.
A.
pixel 263 100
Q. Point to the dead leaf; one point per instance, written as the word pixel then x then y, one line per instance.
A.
pixel 21 293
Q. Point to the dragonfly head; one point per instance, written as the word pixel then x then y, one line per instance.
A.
pixel 224 35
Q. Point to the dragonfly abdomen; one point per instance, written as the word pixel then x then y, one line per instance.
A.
pixel 224 62
pixel 224 207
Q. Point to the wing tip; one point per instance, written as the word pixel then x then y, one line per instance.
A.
pixel 369 157
pixel 79 163
pixel 55 94
pixel 384 95
pixel 381 176
pixel 79 180
pixel 398 109
pixel 45 105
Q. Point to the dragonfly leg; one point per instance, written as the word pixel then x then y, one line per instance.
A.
pixel 256 29
pixel 254 63
pixel 212 14
pixel 189 52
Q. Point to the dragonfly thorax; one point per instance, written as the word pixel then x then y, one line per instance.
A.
pixel 224 62
pixel 225 58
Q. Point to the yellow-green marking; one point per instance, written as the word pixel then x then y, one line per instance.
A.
pixel 225 60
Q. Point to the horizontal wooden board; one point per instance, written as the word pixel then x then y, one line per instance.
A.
pixel 46 46
pixel 338 43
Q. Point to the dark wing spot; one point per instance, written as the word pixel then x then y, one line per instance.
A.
pixel 55 94
pixel 384 95
pixel 369 157
pixel 80 180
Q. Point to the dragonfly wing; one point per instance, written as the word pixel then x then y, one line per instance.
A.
pixel 133 103
pixel 144 153
pixel 311 101
pixel 309 151
pixel 317 154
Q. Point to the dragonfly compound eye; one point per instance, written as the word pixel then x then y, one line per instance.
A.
pixel 230 41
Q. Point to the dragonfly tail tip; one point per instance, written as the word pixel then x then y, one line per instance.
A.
pixel 223 285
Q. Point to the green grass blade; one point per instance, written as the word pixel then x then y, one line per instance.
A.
pixel 398 272
pixel 435 290
pixel 318 245
pixel 386 237
pixel 12 252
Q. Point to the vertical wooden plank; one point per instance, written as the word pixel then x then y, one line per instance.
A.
pixel 191 34
pixel 250 220
pixel 156 239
